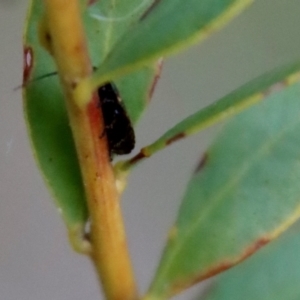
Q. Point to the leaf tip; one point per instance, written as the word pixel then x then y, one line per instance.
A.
pixel 91 2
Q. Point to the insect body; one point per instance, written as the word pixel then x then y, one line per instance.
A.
pixel 118 128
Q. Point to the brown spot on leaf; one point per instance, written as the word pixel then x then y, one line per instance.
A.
pixel 275 88
pixel 214 271
pixel 202 162
pixel 175 138
pixel 221 267
pixel 159 66
pixel 254 247
pixel 148 11
pixel 28 63
pixel 141 155
pixel 91 2
pixel 228 264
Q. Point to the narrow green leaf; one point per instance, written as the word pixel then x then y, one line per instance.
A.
pixel 271 274
pixel 244 193
pixel 49 128
pixel 226 107
pixel 233 103
pixel 106 22
pixel 45 110
pixel 165 28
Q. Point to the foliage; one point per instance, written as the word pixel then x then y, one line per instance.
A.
pixel 244 192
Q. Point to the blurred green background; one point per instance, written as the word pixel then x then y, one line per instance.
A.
pixel 36 261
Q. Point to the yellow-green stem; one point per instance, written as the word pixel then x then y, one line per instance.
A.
pixel 65 38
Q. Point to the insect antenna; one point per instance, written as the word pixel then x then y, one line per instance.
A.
pixel 35 79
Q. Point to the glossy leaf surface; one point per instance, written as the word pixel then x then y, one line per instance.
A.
pixel 166 27
pixel 45 111
pixel 244 193
pixel 233 103
pixel 49 127
pixel 271 274
pixel 107 22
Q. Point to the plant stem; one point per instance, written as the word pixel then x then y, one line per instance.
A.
pixel 66 42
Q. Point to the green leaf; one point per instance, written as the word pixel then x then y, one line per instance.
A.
pixel 46 114
pixel 244 193
pixel 136 89
pixel 232 104
pixel 166 27
pixel 271 274
pixel 107 22
pixel 111 19
pixel 49 129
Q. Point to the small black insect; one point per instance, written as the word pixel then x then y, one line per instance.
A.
pixel 118 128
